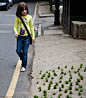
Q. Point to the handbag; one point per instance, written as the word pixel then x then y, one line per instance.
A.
pixel 27 31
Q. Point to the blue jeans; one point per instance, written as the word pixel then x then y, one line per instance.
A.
pixel 22 48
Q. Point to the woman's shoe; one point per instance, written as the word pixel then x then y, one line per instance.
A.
pixel 23 69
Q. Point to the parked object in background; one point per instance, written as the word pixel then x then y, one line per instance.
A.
pixel 4 4
pixel 11 2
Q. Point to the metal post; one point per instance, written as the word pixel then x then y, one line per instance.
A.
pixel 57 21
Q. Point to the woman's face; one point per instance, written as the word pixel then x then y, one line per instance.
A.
pixel 24 12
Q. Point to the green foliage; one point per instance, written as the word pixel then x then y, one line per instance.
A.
pixel 70 88
pixel 78 80
pixel 65 73
pixel 56 83
pixel 65 91
pixel 72 67
pixel 81 65
pixel 36 96
pixel 67 96
pixel 54 93
pixel 79 93
pixel 58 67
pixel 52 77
pixel 66 82
pixel 62 85
pixel 46 79
pixel 80 86
pixel 60 89
pixel 70 92
pixel 39 89
pixel 76 89
pixel 54 87
pixel 71 83
pixel 66 66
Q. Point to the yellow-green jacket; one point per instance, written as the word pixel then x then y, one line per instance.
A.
pixel 28 22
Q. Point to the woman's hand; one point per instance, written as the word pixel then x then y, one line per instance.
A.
pixel 16 35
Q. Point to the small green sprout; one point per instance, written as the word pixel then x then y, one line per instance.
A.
pixel 36 96
pixel 79 74
pixel 66 66
pixel 56 83
pixel 48 75
pixel 60 89
pixel 72 67
pixel 46 79
pixel 80 86
pixel 81 77
pixel 61 77
pixel 51 82
pixel 54 87
pixel 49 87
pixel 46 71
pixel 60 81
pixel 75 71
pixel 77 83
pixel 58 67
pixel 67 96
pixel 79 93
pixel 78 80
pixel 81 65
pixel 85 69
pixel 39 89
pixel 54 93
pixel 62 72
pixel 76 89
pixel 66 82
pixel 81 90
pixel 55 74
pixel 71 83
pixel 70 92
pixel 62 85
pixel 43 83
pixel 69 71
pixel 70 88
pixel 40 71
pixel 61 69
pixel 53 71
pixel 65 91
pixel 65 73
pixel 60 94
pixel 52 77
pixel 37 82
pixel 70 77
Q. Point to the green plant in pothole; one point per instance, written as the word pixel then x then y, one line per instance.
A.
pixel 66 82
pixel 62 72
pixel 61 69
pixel 81 65
pixel 67 96
pixel 60 89
pixel 37 82
pixel 66 66
pixel 46 71
pixel 69 71
pixel 48 75
pixel 71 84
pixel 62 85
pixel 51 82
pixel 80 86
pixel 79 93
pixel 58 67
pixel 70 88
pixel 70 92
pixel 43 83
pixel 52 77
pixel 65 91
pixel 45 93
pixel 77 83
pixel 69 80
pixel 39 89
pixel 56 83
pixel 60 94
pixel 65 73
pixel 49 87
pixel 81 90
pixel 76 88
pixel 85 69
pixel 72 67
pixel 78 80
pixel 75 71
pixel 54 87
pixel 53 71
pixel 60 81
pixel 46 79
pixel 54 94
pixel 61 77
pixel 81 77
pixel 43 76
pixel 36 96
pixel 79 74
pixel 55 74
pixel 40 71
pixel 70 77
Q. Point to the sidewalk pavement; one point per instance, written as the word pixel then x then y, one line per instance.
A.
pixel 54 48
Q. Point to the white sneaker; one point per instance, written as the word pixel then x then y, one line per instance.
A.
pixel 23 69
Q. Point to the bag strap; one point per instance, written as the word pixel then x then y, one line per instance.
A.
pixel 25 27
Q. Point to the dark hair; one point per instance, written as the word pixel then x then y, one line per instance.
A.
pixel 20 8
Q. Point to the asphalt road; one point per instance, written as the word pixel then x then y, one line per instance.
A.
pixel 8 56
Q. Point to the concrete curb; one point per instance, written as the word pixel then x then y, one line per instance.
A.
pixel 39 30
